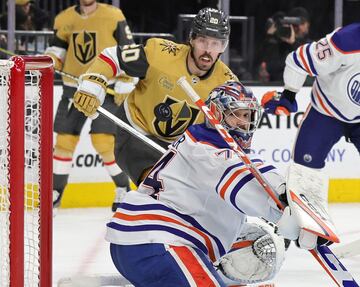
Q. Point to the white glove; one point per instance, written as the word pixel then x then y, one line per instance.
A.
pixel 288 227
pixel 90 93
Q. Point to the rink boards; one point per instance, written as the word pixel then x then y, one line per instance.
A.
pixel 90 184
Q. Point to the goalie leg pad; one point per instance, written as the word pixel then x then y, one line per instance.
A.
pixel 256 256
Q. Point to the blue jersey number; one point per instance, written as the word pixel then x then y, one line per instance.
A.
pixel 153 180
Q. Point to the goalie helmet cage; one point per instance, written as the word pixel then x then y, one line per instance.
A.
pixel 26 118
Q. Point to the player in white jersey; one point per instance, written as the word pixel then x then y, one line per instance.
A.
pixel 334 111
pixel 193 205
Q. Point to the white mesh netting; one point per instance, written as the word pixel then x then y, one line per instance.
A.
pixel 32 175
pixel 31 172
pixel 4 173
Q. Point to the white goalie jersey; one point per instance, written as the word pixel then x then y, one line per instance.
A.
pixel 335 62
pixel 197 194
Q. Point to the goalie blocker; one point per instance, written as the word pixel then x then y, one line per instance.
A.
pixel 306 219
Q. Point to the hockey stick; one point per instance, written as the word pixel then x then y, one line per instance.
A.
pixel 130 129
pixel 229 140
pixel 72 77
pixel 348 250
pixel 107 114
pixel 322 254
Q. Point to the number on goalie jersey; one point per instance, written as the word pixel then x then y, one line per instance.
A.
pixel 193 203
pixel 158 107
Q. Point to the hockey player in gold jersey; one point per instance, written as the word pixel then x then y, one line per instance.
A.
pixel 81 33
pixel 157 107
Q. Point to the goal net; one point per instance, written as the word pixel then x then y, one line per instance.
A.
pixel 26 95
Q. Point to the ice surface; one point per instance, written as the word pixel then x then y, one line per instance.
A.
pixel 80 248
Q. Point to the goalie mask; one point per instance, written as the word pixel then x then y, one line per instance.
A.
pixel 237 109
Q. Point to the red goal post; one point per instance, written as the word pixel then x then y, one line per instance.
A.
pixel 26 120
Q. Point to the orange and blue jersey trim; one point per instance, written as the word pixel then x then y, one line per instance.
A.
pixel 317 99
pixel 329 108
pixel 188 133
pixel 225 186
pixel 310 60
pixel 196 270
pixel 346 40
pixel 157 217
pixel 192 225
pixel 204 135
pixel 304 60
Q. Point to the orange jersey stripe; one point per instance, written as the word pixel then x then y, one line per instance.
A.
pixel 242 244
pixel 322 103
pixel 229 181
pixel 171 220
pixel 199 275
pixel 232 178
pixel 304 61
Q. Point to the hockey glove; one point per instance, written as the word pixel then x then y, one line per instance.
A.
pixel 58 55
pixel 289 228
pixel 256 256
pixel 90 93
pixel 279 103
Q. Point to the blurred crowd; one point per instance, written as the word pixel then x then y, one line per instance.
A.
pixel 28 16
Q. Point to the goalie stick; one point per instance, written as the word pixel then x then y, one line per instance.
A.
pixel 322 254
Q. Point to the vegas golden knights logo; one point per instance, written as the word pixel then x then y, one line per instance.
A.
pixel 169 47
pixel 84 46
pixel 173 117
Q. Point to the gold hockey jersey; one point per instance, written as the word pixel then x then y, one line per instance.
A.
pixel 157 105
pixel 79 39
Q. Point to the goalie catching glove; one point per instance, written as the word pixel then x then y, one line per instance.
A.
pixel 90 93
pixel 279 103
pixel 256 256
